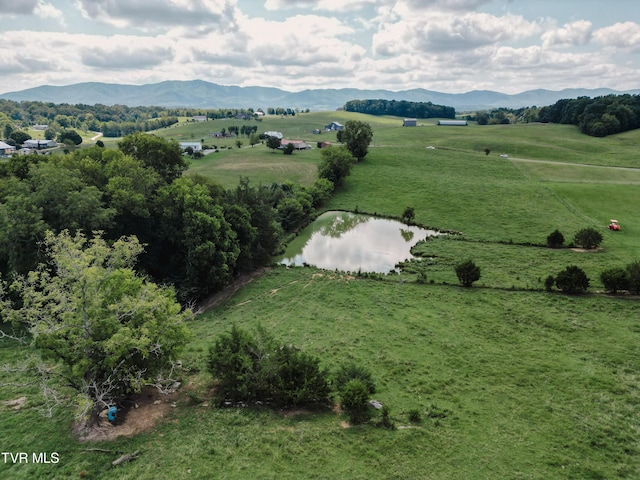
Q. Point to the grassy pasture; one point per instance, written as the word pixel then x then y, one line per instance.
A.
pixel 510 383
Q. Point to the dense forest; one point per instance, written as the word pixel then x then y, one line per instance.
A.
pixel 598 117
pixel 197 235
pixel 400 108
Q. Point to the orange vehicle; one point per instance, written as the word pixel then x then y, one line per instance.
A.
pixel 614 225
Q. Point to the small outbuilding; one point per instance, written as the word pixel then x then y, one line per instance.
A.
pixel 410 122
pixel 6 150
pixel 297 144
pixel 195 146
pixel 334 126
pixel 453 123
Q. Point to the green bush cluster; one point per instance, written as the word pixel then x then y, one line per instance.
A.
pixel 467 273
pixel 571 280
pixel 616 279
pixel 252 368
pixel 586 238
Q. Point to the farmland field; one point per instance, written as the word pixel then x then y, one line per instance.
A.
pixel 510 381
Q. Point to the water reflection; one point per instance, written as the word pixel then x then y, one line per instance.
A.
pixel 351 242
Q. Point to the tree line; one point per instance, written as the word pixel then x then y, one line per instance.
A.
pixel 598 117
pixel 197 235
pixel 400 108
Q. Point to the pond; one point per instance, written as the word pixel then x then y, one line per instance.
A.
pixel 354 242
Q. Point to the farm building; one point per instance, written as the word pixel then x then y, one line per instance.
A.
pixel 6 149
pixel 297 144
pixel 39 144
pixel 325 144
pixel 334 126
pixel 453 123
pixel 409 122
pixel 199 118
pixel 196 146
pixel 273 134
pixel 40 127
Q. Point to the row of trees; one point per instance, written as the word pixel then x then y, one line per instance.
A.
pixel 400 108
pixel 197 236
pixel 598 116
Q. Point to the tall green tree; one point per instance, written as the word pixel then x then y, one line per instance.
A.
pixel 273 142
pixel 335 164
pixel 357 136
pixel 164 156
pixel 108 330
pixel 196 245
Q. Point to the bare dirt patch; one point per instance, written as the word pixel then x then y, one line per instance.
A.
pixel 587 250
pixel 139 414
pixel 217 298
pixel 16 404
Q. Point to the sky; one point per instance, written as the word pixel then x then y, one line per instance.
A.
pixel 451 46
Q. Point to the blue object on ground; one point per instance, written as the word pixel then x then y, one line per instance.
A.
pixel 112 414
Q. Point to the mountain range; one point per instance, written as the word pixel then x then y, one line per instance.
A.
pixel 206 95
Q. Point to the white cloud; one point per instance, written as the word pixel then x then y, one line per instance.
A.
pixel 125 53
pixel 320 5
pixel 146 14
pixel 439 32
pixel 571 34
pixel 620 35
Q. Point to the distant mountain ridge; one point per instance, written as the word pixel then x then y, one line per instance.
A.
pixel 205 95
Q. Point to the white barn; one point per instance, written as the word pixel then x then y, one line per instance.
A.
pixel 453 123
pixel 196 146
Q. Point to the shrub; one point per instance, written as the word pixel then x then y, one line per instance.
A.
pixel 298 379
pixel 467 273
pixel 415 416
pixel 408 215
pixel 251 368
pixel 549 283
pixel 633 270
pixel 351 371
pixel 572 280
pixel 588 238
pixel 355 401
pixel 615 279
pixel 555 239
pixel 385 420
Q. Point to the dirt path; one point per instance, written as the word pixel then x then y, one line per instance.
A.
pixel 217 298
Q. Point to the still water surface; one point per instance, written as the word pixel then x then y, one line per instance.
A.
pixel 350 242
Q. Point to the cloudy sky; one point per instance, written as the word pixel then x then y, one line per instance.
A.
pixel 450 46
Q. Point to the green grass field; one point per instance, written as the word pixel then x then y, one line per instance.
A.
pixel 511 382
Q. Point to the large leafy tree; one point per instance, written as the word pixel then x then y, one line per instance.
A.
pixel 109 330
pixel 195 243
pixel 163 156
pixel 357 136
pixel 335 165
